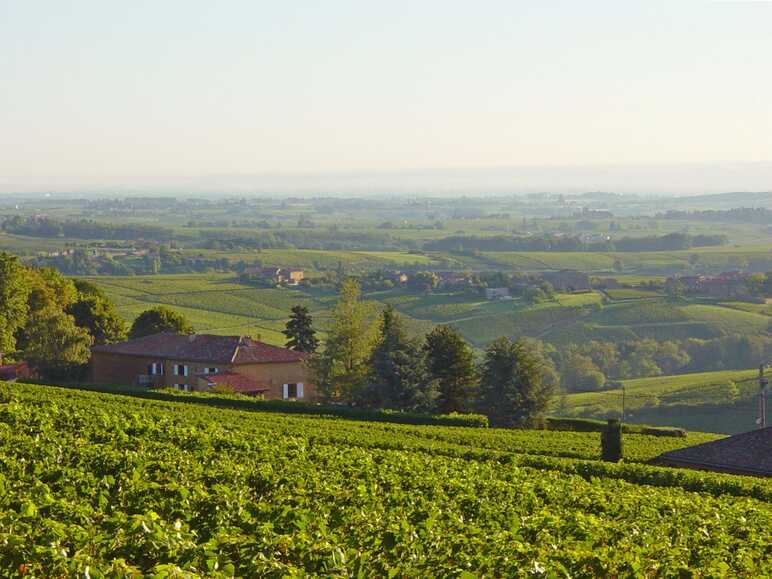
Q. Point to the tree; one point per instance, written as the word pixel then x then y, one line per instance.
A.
pixel 675 289
pixel 299 331
pixel 397 377
pixel 451 363
pixel 100 318
pixel 340 371
pixel 511 389
pixel 14 294
pixel 157 320
pixel 579 373
pixel 57 349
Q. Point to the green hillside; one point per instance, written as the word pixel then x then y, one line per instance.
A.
pixel 107 485
pixel 220 304
pixel 704 400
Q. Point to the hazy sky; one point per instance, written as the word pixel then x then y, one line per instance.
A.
pixel 179 91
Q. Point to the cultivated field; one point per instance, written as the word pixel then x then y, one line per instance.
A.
pixel 101 484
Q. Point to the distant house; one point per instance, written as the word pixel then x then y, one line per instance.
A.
pixel 731 284
pixel 749 453
pixel 203 361
pixel 395 276
pixel 496 293
pixel 276 275
pixel 567 280
pixel 452 280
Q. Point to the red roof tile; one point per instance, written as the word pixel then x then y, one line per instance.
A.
pixel 238 382
pixel 203 348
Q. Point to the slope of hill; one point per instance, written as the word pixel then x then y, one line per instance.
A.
pixel 717 401
pixel 100 484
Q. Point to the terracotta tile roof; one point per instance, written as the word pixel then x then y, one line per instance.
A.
pixel 238 382
pixel 203 348
pixel 747 453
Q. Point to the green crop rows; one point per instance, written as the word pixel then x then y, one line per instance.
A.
pixel 98 484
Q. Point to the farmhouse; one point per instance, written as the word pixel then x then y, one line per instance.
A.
pixel 497 293
pixel 202 362
pixel 749 453
pixel 731 284
pixel 276 275
pixel 567 280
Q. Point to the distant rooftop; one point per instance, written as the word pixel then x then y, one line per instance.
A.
pixel 748 453
pixel 203 348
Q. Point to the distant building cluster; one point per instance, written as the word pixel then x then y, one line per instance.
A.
pixel 731 284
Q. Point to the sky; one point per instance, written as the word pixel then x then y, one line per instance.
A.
pixel 665 96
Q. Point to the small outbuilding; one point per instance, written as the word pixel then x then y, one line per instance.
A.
pixel 749 453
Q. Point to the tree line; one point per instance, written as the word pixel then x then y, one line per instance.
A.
pixel 376 364
pixel 548 242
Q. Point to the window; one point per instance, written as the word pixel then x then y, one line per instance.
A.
pixel 180 370
pixel 210 370
pixel 183 387
pixel 156 368
pixel 292 391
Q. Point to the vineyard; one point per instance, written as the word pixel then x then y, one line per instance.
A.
pixel 98 485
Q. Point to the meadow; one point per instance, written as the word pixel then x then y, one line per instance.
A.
pixel 704 400
pixel 106 485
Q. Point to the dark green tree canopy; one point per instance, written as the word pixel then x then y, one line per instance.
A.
pixel 511 389
pixel 300 332
pixel 450 362
pixel 397 377
pixel 15 289
pixel 157 320
pixel 100 318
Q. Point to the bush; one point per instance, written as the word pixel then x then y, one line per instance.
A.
pixel 591 425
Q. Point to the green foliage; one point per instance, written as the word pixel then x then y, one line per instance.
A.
pixel 300 332
pixel 99 317
pixel 213 492
pixel 511 388
pixel 56 349
pixel 14 294
pixel 157 320
pixel 340 370
pixel 450 362
pixel 397 377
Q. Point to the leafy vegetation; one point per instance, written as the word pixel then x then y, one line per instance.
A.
pixel 127 486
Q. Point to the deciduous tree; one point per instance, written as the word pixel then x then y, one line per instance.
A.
pixel 157 320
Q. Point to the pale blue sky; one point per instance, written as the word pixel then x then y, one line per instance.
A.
pixel 116 92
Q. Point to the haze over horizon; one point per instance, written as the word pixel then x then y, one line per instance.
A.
pixel 431 97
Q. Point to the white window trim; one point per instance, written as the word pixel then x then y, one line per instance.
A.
pixel 285 391
pixel 300 390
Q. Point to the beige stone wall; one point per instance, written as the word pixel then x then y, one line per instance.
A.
pixel 277 374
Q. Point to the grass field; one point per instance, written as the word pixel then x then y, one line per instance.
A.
pixel 107 485
pixel 220 304
pixel 706 393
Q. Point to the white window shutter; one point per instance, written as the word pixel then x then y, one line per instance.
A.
pixel 300 390
pixel 184 370
pixel 175 369
pixel 285 391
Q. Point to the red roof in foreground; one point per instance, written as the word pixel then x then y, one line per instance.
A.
pixel 203 348
pixel 238 382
